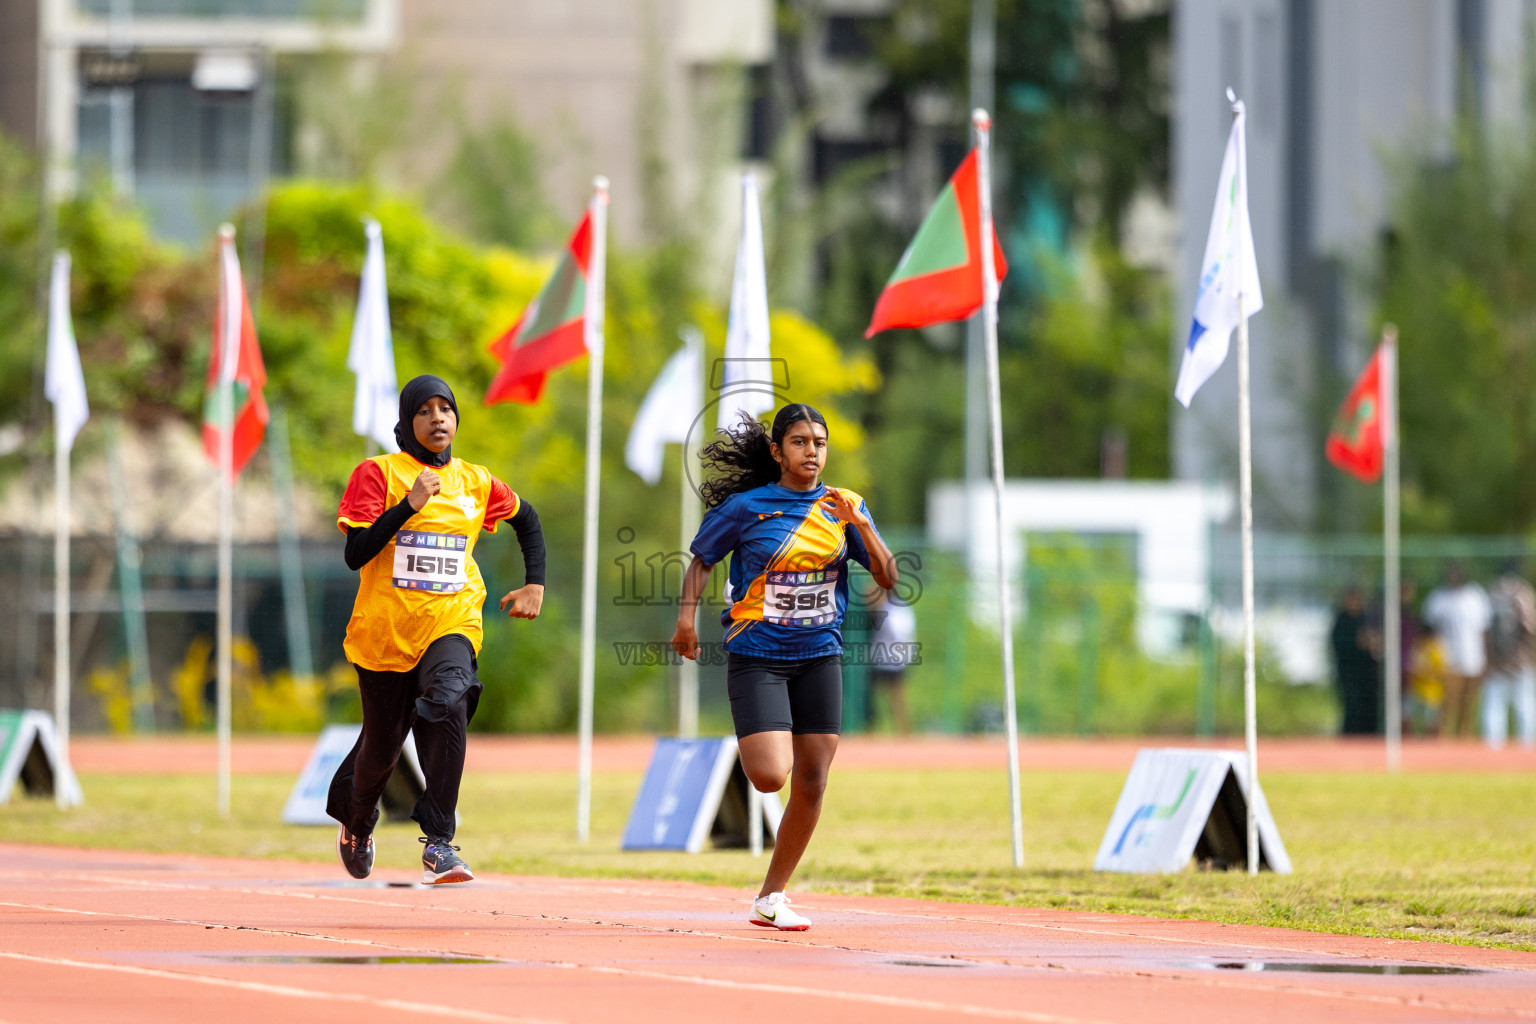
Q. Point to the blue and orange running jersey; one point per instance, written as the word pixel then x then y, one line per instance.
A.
pixel 789 570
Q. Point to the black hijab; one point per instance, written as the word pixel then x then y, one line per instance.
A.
pixel 412 397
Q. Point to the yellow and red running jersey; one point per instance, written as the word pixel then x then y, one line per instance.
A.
pixel 424 585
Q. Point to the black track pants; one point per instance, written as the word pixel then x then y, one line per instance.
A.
pixel 437 699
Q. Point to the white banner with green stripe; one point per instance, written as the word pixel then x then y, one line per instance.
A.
pixel 1179 804
pixel 30 754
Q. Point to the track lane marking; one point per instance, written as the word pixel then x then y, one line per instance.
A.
pixel 291 991
pixel 290 893
pixel 914 915
pixel 1174 975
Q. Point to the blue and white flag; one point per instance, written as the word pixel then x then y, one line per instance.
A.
pixel 669 412
pixel 1228 271
pixel 63 382
pixel 748 378
pixel 371 356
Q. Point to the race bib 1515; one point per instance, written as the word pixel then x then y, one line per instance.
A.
pixel 430 561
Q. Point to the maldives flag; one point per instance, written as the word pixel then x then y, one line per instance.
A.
pixel 236 358
pixel 939 276
pixel 1357 437
pixel 552 330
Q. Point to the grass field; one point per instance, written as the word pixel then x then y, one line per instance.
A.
pixel 1449 857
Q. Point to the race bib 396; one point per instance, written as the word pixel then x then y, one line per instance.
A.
pixel 800 598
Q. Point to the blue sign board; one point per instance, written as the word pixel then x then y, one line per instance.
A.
pixel 680 795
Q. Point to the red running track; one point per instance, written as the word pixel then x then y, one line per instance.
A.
pixel 173 754
pixel 129 937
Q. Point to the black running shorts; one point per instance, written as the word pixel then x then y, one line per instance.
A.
pixel 768 695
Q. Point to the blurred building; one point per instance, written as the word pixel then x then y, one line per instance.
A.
pixel 188 106
pixel 1334 88
pixel 176 102
pixel 616 87
pixel 1165 527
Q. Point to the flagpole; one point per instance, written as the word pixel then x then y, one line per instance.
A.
pixel 1245 473
pixel 983 124
pixel 61 597
pixel 229 341
pixel 688 518
pixel 1391 601
pixel 593 315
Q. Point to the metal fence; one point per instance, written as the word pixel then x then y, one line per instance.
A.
pixel 142 637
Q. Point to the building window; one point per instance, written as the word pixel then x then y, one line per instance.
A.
pixel 831 155
pixel 332 10
pixel 850 38
pixel 759 137
pixel 184 155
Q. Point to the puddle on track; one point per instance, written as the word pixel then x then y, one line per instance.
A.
pixel 1332 967
pixel 362 960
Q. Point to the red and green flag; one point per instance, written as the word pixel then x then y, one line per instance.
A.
pixel 1357 438
pixel 552 330
pixel 939 276
pixel 236 358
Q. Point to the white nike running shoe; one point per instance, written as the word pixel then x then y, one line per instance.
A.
pixel 772 911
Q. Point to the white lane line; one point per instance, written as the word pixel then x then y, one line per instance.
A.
pixel 699 980
pixel 1239 950
pixel 1182 977
pixel 285 932
pixel 1130 936
pixel 404 1005
pixel 916 915
pixel 866 998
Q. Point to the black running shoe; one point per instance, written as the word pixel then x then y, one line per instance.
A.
pixel 356 852
pixel 440 863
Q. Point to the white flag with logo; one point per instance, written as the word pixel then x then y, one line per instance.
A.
pixel 1228 270
pixel 371 356
pixel 748 379
pixel 63 382
pixel 667 414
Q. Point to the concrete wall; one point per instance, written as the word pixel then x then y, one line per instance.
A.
pixel 1334 89
pixel 1218 43
pixel 18 69
pixel 585 78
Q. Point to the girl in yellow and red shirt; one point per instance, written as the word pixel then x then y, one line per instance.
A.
pixel 411 520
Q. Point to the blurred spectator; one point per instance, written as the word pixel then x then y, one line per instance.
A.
pixel 1426 670
pixel 1408 623
pixel 1458 609
pixel 1356 670
pixel 1407 636
pixel 893 642
pixel 1511 677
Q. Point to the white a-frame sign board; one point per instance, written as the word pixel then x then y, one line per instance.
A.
pixel 30 754
pixel 1179 804
pixel 306 804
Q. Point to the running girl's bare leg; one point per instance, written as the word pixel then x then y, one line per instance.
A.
pixel 772 758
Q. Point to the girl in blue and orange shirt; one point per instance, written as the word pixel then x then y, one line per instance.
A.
pixel 790 538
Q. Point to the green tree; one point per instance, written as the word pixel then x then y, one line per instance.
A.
pixel 1458 276
pixel 19 324
pixel 490 190
pixel 1081 127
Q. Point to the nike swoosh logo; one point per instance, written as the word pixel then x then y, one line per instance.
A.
pixel 773 916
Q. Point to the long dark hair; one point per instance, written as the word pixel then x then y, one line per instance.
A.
pixel 741 459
